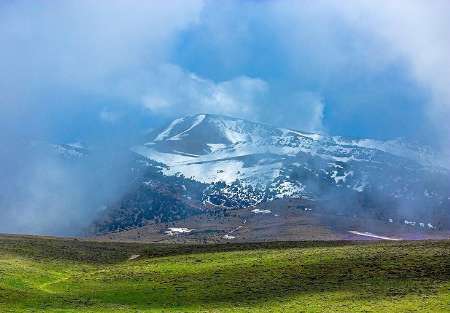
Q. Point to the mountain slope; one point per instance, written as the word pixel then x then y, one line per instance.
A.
pixel 41 274
pixel 211 148
pixel 235 163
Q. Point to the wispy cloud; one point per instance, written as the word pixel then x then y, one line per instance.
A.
pixel 72 48
pixel 418 34
pixel 172 91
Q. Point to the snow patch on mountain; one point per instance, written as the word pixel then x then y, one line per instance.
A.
pixel 214 147
pixel 315 137
pixel 261 211
pixel 198 119
pixel 166 133
pixel 172 231
pixel 287 189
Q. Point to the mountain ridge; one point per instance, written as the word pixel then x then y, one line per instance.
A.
pixel 207 163
pixel 398 147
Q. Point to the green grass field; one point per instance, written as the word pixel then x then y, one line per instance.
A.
pixel 55 275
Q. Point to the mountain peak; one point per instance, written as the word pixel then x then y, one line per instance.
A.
pixel 203 134
pixel 212 128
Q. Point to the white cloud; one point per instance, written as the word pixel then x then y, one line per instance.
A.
pixel 302 110
pixel 115 49
pixel 410 33
pixel 314 106
pixel 109 116
pixel 120 50
pixel 418 33
pixel 171 91
pixel 85 45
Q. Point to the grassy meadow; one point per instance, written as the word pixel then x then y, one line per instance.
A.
pixel 68 275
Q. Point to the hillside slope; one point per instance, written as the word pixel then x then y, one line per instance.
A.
pixel 56 275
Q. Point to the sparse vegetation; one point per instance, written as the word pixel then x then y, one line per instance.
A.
pixel 56 275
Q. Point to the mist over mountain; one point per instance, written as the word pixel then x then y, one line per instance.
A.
pixel 98 98
pixel 203 163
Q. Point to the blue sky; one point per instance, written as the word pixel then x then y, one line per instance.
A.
pixel 90 70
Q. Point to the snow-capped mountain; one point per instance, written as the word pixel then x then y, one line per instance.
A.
pixel 210 161
pixel 212 148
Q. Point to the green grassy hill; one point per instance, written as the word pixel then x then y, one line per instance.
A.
pixel 56 275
